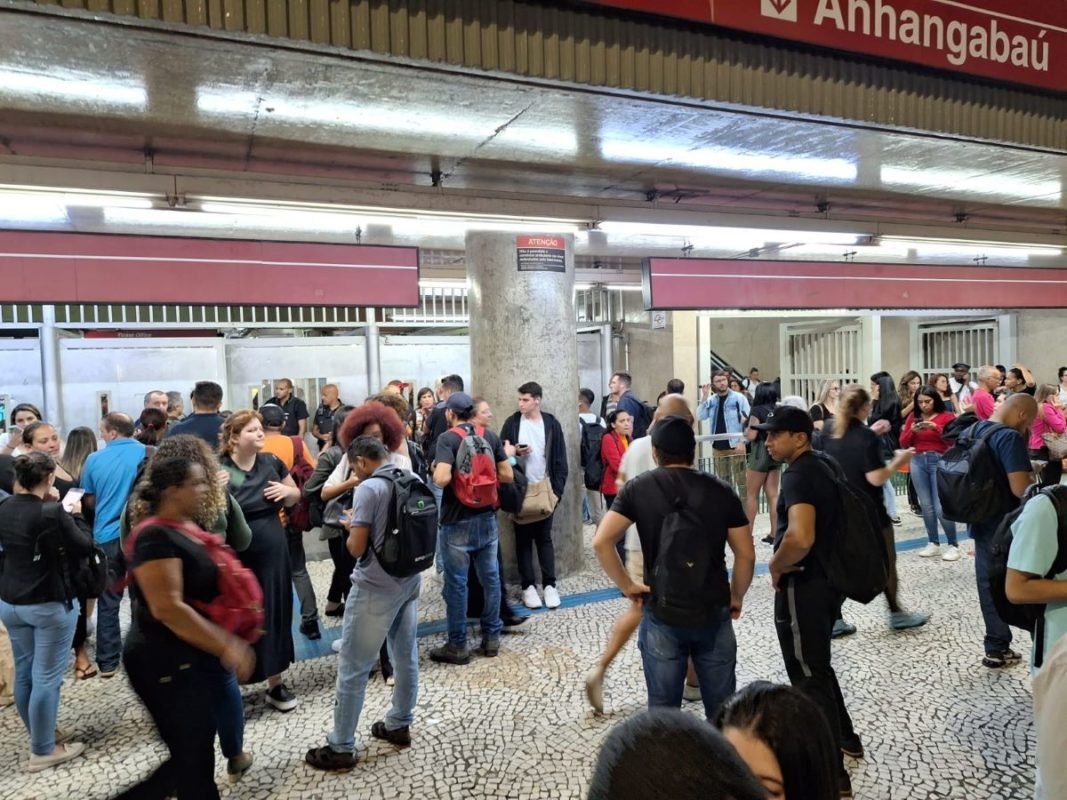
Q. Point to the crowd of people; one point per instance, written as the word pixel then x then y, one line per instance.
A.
pixel 201 519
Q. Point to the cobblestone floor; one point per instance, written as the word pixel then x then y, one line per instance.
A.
pixel 935 722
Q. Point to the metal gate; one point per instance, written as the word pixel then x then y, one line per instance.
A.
pixel 972 341
pixel 815 353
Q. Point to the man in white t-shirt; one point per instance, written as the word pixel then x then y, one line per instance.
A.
pixel 538 439
pixel 962 386
pixel 636 460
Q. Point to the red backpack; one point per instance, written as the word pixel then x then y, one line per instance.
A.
pixel 474 473
pixel 238 607
pixel 300 514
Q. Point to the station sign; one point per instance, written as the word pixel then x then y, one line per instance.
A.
pixel 541 253
pixel 37 267
pixel 1003 40
pixel 729 284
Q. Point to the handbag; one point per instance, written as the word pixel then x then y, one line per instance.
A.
pixel 86 576
pixel 1056 444
pixel 540 502
pixel 333 514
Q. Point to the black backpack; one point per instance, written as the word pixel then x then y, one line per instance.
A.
pixel 592 462
pixel 971 483
pixel 512 495
pixel 419 465
pixel 856 562
pixel 1028 616
pixel 411 531
pixel 688 576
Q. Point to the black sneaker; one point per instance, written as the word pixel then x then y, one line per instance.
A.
pixel 310 628
pixel 514 620
pixel 401 737
pixel 490 648
pixel 844 784
pixel 326 758
pixel 451 654
pixel 852 746
pixel 1001 659
pixel 337 612
pixel 281 698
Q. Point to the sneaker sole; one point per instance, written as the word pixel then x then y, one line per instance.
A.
pixel 285 708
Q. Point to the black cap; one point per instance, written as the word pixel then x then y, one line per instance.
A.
pixel 961 365
pixel 789 419
pixel 459 401
pixel 673 436
pixel 273 416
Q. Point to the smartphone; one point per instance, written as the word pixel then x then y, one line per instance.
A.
pixel 523 446
pixel 71 497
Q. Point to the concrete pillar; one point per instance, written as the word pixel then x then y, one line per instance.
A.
pixel 374 363
pixel 49 344
pixel 523 328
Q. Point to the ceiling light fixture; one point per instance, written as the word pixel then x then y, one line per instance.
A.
pixel 75 87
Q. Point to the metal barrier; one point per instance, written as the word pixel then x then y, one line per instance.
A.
pixel 731 468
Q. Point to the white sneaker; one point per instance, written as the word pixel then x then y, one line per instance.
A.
pixel 930 551
pixel 551 597
pixel 530 598
pixel 952 553
pixel 691 693
pixel 335 645
pixel 594 689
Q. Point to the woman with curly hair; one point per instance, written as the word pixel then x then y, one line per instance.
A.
pixel 218 513
pixel 261 485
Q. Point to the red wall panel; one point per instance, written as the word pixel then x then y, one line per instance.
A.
pixel 100 268
pixel 1006 40
pixel 684 283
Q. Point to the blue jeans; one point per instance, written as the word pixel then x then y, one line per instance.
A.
pixel 108 633
pixel 228 705
pixel 666 650
pixel 924 479
pixel 997 632
pixel 439 556
pixel 41 635
pixel 474 539
pixel 373 616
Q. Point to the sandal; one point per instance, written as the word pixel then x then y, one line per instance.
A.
pixel 84 673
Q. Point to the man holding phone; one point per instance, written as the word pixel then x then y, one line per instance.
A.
pixel 539 439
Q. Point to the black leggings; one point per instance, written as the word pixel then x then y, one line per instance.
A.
pixel 179 701
pixel 343 564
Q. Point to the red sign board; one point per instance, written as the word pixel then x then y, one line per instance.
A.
pixel 700 284
pixel 1005 40
pixel 102 268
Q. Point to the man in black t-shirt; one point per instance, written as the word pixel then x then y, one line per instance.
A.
pixel 468 534
pixel 296 410
pixel 682 618
pixel 805 604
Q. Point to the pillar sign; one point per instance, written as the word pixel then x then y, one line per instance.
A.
pixel 542 253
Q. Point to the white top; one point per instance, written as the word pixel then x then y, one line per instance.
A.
pixel 636 460
pixel 340 472
pixel 533 434
pixel 589 418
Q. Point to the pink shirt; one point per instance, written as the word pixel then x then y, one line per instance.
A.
pixel 1049 420
pixel 984 404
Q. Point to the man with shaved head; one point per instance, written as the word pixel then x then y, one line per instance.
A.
pixel 1005 434
pixel 107 479
pixel 636 461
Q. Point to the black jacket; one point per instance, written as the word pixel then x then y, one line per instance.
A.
pixel 24 534
pixel 555 448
